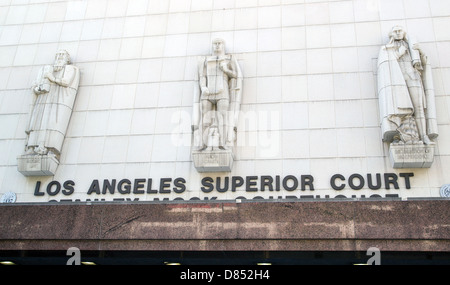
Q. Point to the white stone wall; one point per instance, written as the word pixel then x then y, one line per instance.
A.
pixel 309 101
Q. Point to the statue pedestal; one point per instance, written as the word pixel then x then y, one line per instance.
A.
pixel 37 165
pixel 216 160
pixel 411 156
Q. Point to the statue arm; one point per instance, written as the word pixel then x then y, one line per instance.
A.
pixel 36 83
pixel 400 52
pixel 66 79
pixel 236 94
pixel 196 109
pixel 35 88
pixel 203 89
pixel 422 59
pixel 230 72
pixel 202 80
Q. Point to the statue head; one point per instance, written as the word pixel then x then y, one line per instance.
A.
pixel 398 33
pixel 62 58
pixel 218 46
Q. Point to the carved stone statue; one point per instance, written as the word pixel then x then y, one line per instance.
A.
pixel 407 101
pixel 55 90
pixel 216 107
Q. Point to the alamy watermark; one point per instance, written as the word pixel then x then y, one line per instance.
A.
pixel 256 130
pixel 376 256
pixel 76 256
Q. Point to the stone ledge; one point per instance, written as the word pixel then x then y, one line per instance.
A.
pixel 411 156
pixel 394 225
pixel 37 165
pixel 230 245
pixel 213 160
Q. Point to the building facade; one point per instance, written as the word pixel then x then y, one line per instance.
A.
pixel 309 136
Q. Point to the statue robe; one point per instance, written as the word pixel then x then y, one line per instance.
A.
pixel 52 110
pixel 393 95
